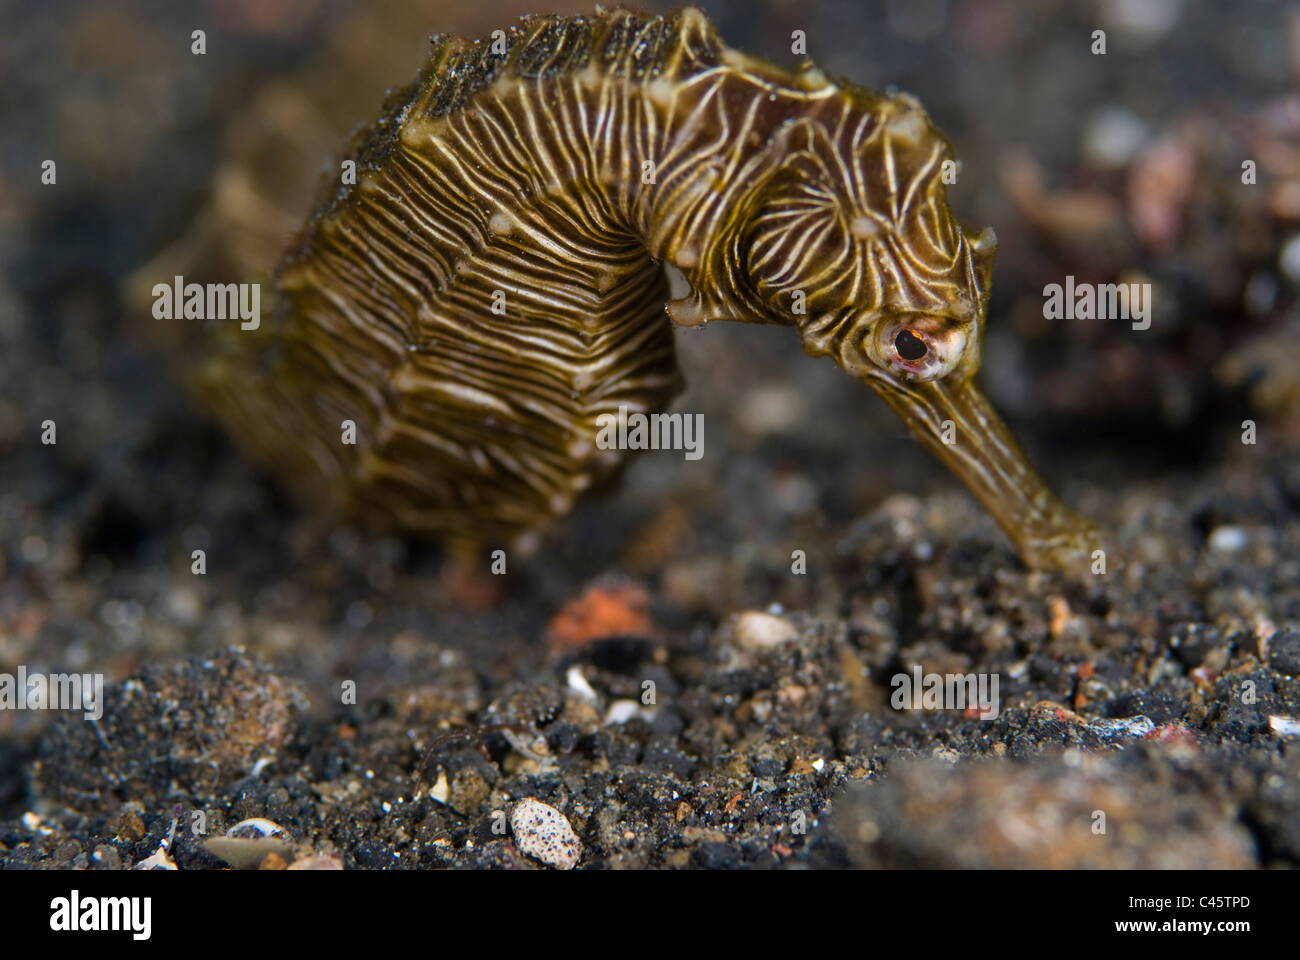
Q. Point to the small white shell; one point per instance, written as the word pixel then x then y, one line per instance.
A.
pixel 542 832
pixel 762 631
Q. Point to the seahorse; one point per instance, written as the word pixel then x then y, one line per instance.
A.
pixel 494 278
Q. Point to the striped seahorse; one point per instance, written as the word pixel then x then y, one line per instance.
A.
pixel 488 278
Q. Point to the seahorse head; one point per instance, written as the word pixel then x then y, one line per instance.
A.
pixel 852 239
pixel 853 234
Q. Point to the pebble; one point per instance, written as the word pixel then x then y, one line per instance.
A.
pixel 1143 19
pixel 1289 259
pixel 543 833
pixel 184 606
pixel 1113 136
pixel 106 857
pixel 762 631
pixel 1284 651
pixel 621 711
pixel 771 409
pixel 129 826
pixel 1138 726
pixel 1227 539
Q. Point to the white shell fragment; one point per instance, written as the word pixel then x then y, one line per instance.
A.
pixel 158 860
pixel 579 686
pixel 1109 729
pixel 621 711
pixel 1284 726
pixel 543 833
pixel 762 631
pixel 255 827
pixel 440 791
pixel 248 842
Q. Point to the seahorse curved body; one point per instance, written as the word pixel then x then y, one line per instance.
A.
pixel 493 281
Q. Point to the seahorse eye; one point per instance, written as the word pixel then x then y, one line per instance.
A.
pixel 919 347
pixel 909 346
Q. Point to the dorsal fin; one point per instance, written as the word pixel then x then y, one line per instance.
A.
pixel 618 42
